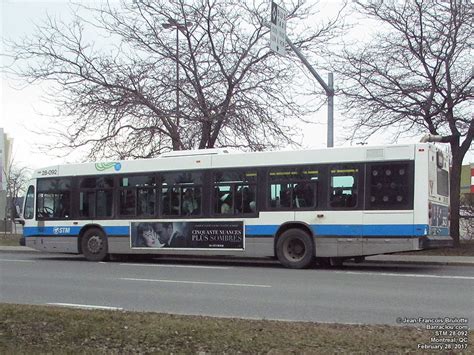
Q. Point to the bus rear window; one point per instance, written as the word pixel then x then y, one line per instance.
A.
pixel 443 183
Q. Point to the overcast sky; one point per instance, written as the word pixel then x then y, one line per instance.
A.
pixel 24 112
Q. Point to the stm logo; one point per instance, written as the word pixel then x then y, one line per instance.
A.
pixel 61 230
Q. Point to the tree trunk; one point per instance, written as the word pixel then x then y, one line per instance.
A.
pixel 205 134
pixel 455 190
pixel 176 139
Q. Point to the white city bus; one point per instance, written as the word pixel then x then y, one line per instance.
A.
pixel 327 205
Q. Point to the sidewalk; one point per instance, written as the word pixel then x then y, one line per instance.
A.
pixel 386 259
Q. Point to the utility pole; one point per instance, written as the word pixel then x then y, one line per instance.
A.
pixel 278 38
pixel 172 23
pixel 328 88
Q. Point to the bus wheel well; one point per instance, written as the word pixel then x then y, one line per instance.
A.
pixel 83 231
pixel 283 228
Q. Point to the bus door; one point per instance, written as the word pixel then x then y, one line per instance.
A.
pixel 28 213
pixel 438 196
pixel 339 226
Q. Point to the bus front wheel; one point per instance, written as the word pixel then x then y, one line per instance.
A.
pixel 94 245
pixel 295 249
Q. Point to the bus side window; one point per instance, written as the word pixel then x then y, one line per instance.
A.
pixel 245 199
pixel 293 187
pixel 304 194
pixel 53 200
pixel 191 201
pixel 137 195
pixel 146 202
pixel 343 190
pixel 104 203
pixel 30 203
pixel 165 200
pixel 389 186
pixel 127 202
pixel 235 192
pixel 87 204
pixel 223 199
pixel 227 205
pixel 170 200
pixel 181 193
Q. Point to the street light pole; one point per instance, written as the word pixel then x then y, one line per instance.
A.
pixel 172 23
pixel 328 88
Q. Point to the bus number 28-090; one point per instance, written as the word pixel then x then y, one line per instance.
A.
pixel 48 172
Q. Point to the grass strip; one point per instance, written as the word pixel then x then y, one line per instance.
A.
pixel 55 330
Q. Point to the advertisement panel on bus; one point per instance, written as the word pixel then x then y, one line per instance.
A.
pixel 227 235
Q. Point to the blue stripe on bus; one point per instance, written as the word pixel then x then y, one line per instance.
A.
pixel 251 230
pixel 70 231
pixel 117 230
pixel 368 230
pixel 395 229
pixel 47 231
pixel 343 230
pixel 398 230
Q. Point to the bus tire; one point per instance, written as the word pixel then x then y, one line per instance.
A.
pixel 295 249
pixel 94 245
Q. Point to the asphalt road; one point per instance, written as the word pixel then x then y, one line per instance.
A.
pixel 362 293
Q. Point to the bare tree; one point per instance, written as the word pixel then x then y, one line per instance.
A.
pixel 16 180
pixel 415 75
pixel 118 93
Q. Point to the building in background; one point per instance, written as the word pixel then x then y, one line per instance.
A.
pixel 472 178
pixel 467 179
pixel 467 202
pixel 6 145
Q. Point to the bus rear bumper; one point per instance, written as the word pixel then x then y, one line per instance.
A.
pixel 433 242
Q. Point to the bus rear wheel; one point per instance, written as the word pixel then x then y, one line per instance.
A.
pixel 295 249
pixel 94 245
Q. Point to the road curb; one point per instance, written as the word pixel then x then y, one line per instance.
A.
pixel 421 259
pixel 418 262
